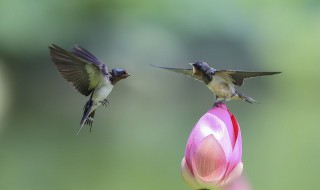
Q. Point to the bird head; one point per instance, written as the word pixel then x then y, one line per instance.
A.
pixel 200 66
pixel 118 74
pixel 202 71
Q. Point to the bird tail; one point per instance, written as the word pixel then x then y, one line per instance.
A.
pixel 90 118
pixel 88 115
pixel 245 98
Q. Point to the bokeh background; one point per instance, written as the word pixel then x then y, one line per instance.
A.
pixel 139 140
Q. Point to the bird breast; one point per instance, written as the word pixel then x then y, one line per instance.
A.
pixel 102 91
pixel 221 87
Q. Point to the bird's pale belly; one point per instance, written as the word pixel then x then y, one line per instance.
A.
pixel 102 92
pixel 221 89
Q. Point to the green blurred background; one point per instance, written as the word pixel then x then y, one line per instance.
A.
pixel 139 140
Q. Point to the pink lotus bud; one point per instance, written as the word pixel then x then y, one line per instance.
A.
pixel 214 150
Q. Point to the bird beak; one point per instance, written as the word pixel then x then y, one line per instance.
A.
pixel 194 71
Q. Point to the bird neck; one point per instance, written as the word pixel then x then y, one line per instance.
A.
pixel 114 79
pixel 207 79
pixel 207 75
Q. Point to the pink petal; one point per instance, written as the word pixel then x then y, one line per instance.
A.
pixel 236 172
pixel 240 183
pixel 235 126
pixel 223 113
pixel 187 176
pixel 209 161
pixel 236 156
pixel 209 124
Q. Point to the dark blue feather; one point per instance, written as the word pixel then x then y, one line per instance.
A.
pixel 86 55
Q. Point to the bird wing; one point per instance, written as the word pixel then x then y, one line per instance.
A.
pixel 86 55
pixel 188 72
pixel 238 77
pixel 79 67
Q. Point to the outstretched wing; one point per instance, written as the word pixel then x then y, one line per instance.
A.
pixel 238 77
pixel 86 55
pixel 187 72
pixel 79 67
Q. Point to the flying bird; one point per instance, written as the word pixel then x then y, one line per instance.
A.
pixel 88 75
pixel 221 82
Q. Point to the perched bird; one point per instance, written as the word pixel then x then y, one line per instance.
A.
pixel 88 75
pixel 220 82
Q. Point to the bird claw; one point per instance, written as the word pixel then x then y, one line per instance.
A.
pixel 218 102
pixel 105 102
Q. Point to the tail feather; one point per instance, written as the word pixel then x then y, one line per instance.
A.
pixel 90 118
pixel 245 98
pixel 86 114
pixel 250 100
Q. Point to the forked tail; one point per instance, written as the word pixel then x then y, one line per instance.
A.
pixel 245 98
pixel 86 113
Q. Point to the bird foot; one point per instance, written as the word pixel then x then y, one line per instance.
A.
pixel 218 104
pixel 105 102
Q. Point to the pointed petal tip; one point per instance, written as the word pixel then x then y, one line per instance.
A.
pixel 223 105
pixel 218 105
pixel 218 109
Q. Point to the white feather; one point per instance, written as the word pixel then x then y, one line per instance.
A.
pixel 101 92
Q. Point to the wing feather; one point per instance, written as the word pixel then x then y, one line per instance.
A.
pixel 82 70
pixel 86 55
pixel 238 77
pixel 188 72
